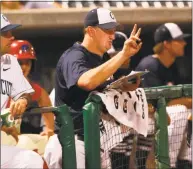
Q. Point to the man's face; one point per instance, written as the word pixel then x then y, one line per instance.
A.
pixel 6 40
pixel 177 47
pixel 104 38
pixel 26 65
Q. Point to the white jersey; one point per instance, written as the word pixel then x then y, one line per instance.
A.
pixel 13 83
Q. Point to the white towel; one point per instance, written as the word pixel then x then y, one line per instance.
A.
pixel 128 108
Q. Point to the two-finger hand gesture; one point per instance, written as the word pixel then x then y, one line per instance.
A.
pixel 133 44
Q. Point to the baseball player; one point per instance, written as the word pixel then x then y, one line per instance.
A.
pixel 81 70
pixel 170 42
pixel 124 148
pixel 14 85
pixel 26 56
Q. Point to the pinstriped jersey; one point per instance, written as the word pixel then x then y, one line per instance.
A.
pixel 12 82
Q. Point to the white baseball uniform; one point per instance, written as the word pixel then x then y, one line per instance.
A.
pixel 14 84
pixel 53 153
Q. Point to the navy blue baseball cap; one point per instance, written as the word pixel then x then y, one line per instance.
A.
pixel 102 18
pixel 6 25
pixel 169 31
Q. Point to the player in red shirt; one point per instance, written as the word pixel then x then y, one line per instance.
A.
pixel 26 56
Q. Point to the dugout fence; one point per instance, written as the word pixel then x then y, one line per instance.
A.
pixel 65 135
pixel 107 153
pixel 129 150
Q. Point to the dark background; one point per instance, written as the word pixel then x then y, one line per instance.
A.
pixel 49 45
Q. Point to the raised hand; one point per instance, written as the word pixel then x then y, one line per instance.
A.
pixel 133 44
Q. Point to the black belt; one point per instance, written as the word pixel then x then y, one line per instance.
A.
pixel 79 137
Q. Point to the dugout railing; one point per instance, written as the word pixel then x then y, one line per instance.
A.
pixel 65 135
pixel 158 97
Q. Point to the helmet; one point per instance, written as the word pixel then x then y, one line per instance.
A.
pixel 118 42
pixel 22 49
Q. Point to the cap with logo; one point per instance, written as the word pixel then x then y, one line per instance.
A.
pixel 100 17
pixel 167 32
pixel 6 25
pixel 118 42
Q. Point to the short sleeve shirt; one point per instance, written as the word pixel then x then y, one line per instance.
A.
pixel 71 65
pixel 13 83
pixel 158 75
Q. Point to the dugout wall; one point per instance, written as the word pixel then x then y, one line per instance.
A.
pixel 52 31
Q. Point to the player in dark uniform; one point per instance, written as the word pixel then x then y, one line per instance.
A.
pixel 81 69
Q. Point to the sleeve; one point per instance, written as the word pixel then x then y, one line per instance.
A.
pixel 73 67
pixel 38 90
pixel 20 85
